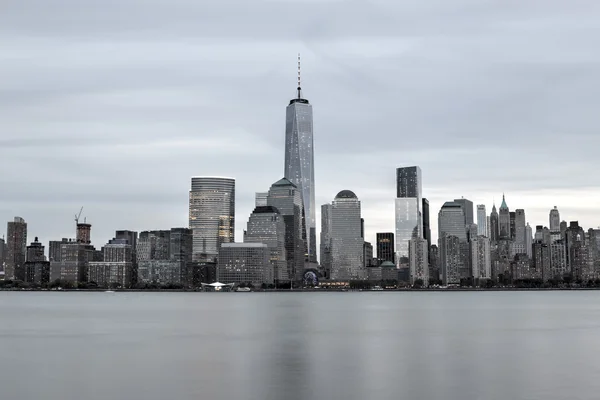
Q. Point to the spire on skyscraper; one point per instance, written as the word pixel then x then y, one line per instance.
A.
pixel 299 85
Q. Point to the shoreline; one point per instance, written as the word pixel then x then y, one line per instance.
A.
pixel 510 289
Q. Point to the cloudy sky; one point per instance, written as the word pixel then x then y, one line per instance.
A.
pixel 113 105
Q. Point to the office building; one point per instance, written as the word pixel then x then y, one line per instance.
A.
pixel 451 259
pixel 520 224
pixel 426 222
pixel 16 245
pixel 409 217
pixel 368 254
pixel 347 261
pixel 467 206
pixel 266 225
pixel 494 225
pixel 385 247
pixel 482 228
pixel 287 199
pixel 211 215
pixel 325 245
pixel 504 221
pixel 116 268
pixel 554 220
pixel 451 226
pixel 299 162
pixel 244 263
pixel 260 199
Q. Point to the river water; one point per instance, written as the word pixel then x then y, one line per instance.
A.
pixel 368 345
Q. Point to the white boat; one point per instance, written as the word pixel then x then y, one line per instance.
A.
pixel 377 288
pixel 109 291
pixel 243 289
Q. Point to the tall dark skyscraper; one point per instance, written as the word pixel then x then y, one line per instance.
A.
pixel 385 247
pixel 408 182
pixel 299 162
pixel 16 243
pixel 494 227
pixel 426 226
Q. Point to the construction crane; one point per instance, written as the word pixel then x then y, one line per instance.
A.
pixel 77 216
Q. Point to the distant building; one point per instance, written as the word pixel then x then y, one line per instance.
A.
pixel 163 256
pixel 419 261
pixel 346 240
pixel 482 229
pixel 385 247
pixel 260 199
pixel 577 252
pixel 35 251
pixel 211 215
pixel 244 263
pixel 131 238
pixel 287 199
pixel 54 250
pixel 541 260
pixel 451 223
pixel 16 244
pixel 481 262
pixel 494 225
pixel 451 259
pixel 504 221
pixel 37 269
pixel 554 220
pixel 266 225
pixel 325 246
pixel 409 217
pixel 116 269
pixel 426 222
pixel 467 206
pixel 368 254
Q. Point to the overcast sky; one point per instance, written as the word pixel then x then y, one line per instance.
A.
pixel 113 105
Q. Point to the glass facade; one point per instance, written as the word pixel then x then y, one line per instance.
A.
pixel 385 247
pixel 326 237
pixel 481 220
pixel 211 215
pixel 347 244
pixel 408 182
pixel 299 164
pixel 244 262
pixel 408 226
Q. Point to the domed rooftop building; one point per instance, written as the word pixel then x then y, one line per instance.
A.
pixel 346 194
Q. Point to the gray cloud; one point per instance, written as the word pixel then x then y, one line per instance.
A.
pixel 114 105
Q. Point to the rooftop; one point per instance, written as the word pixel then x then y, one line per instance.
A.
pixel 346 194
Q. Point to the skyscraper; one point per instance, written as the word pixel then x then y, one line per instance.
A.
pixel 481 220
pixel 454 248
pixel 16 243
pixel 504 221
pixel 299 162
pixel 554 220
pixel 325 245
pixel 287 199
pixel 520 224
pixel 385 247
pixel 409 218
pixel 419 261
pixel 211 215
pixel 467 206
pixel 426 222
pixel 260 199
pixel 346 241
pixel 494 225
pixel 266 225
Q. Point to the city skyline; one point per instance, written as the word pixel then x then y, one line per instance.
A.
pixel 121 131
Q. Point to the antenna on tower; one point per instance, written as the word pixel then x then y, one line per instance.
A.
pixel 299 86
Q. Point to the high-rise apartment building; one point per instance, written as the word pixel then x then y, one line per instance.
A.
pixel 513 217
pixel 347 261
pixel 520 224
pixel 266 225
pixel 385 247
pixel 116 268
pixel 529 241
pixel 577 252
pixel 287 199
pixel 409 217
pixel 299 162
pixel 163 256
pixel 419 261
pixel 504 221
pixel 554 220
pixel 482 228
pixel 211 215
pixel 481 262
pixel 16 243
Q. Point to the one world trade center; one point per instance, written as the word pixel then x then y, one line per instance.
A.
pixel 299 162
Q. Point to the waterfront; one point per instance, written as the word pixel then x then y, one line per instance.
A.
pixel 380 345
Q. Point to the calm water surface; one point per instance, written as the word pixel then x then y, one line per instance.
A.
pixel 156 346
